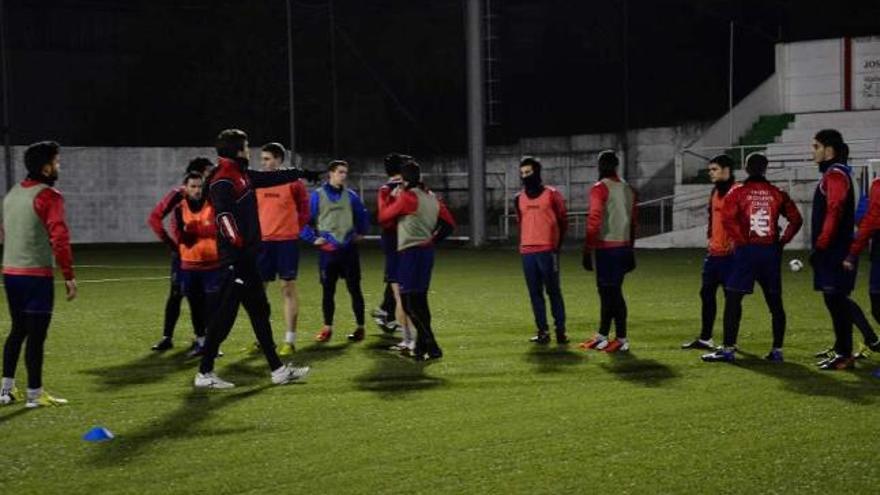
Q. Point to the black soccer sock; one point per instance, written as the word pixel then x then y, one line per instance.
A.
pixel 709 311
pixel 607 310
pixel 416 306
pixel 389 305
pixel 861 322
pixel 37 327
pixel 777 316
pixel 732 316
pixel 357 299
pixel 620 314
pixel 841 318
pixel 328 301
pixel 12 347
pixel 172 310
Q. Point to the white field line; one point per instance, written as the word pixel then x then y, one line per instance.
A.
pixel 108 280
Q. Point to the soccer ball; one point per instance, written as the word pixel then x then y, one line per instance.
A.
pixel 796 265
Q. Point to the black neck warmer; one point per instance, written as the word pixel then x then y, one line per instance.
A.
pixel 723 187
pixel 533 185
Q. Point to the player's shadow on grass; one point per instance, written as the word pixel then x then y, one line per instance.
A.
pixel 393 376
pixel 809 380
pixel 554 359
pixel 183 423
pixel 646 372
pixel 150 368
pixel 319 352
pixel 12 413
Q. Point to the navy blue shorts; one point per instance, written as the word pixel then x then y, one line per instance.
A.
pixel 278 259
pixel 392 260
pixel 29 294
pixel 753 263
pixel 343 263
pixel 392 267
pixel 175 273
pixel 874 280
pixel 612 265
pixel 194 282
pixel 716 270
pixel 416 265
pixel 829 276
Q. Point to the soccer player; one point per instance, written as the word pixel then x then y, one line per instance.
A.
pixel 833 222
pixel 542 218
pixel 422 221
pixel 162 209
pixel 396 318
pixel 869 230
pixel 718 260
pixel 199 260
pixel 283 211
pixel 611 225
pixel 35 231
pixel 751 219
pixel 338 221
pixel 231 193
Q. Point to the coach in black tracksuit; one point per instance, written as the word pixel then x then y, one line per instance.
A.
pixel 231 191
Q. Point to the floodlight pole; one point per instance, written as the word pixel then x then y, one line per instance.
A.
pixel 730 86
pixel 4 81
pixel 476 145
pixel 290 81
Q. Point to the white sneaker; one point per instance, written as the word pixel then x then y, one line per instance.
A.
pixel 602 345
pixel 9 395
pixel 211 380
pixel 288 373
pixel 403 345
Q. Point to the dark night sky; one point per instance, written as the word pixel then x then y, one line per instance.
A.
pixel 162 72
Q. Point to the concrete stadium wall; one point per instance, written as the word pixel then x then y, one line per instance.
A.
pixel 110 191
pixel 811 75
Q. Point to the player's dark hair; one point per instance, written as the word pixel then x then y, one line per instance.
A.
pixel 723 161
pixel 411 173
pixel 230 142
pixel 276 149
pixel 336 164
pixel 833 139
pixel 393 163
pixel 756 165
pixel 608 163
pixel 199 165
pixel 530 161
pixel 39 154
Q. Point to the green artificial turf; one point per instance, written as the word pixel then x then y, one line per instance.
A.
pixel 496 415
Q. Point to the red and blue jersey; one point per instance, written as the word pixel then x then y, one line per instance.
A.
pixel 751 214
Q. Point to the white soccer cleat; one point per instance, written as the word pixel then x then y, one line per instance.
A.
pixel 601 345
pixel 44 400
pixel 288 374
pixel 9 395
pixel 211 380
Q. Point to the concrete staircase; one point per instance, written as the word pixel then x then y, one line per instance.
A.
pixel 791 169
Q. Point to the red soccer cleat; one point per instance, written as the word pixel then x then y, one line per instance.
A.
pixel 591 343
pixel 615 346
pixel 324 335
